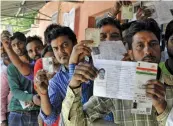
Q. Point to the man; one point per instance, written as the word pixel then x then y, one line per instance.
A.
pixel 110 29
pixel 101 74
pixel 23 109
pixel 62 39
pixel 167 67
pixel 25 64
pixel 5 90
pixel 34 47
pixel 145 36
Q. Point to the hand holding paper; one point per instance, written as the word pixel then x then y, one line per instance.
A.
pixel 156 91
pixel 80 51
pixel 83 73
pixel 41 81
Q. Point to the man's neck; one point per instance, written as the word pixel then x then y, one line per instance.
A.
pixel 170 63
pixel 24 58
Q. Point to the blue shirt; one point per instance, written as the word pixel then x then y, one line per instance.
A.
pixel 57 92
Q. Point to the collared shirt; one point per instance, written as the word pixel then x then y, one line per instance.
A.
pixel 57 92
pixel 74 114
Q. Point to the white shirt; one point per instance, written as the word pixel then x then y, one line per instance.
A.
pixel 3 67
pixel 169 121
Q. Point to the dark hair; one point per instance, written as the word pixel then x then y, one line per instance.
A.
pixel 20 36
pixel 169 30
pixel 34 38
pixel 48 29
pixel 53 31
pixel 48 48
pixel 6 33
pixel 143 25
pixel 102 69
pixel 110 21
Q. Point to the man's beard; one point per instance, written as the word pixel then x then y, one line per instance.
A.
pixel 150 58
pixel 37 57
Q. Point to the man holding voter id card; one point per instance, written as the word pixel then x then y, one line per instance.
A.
pixel 145 53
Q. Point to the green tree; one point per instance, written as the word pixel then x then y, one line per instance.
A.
pixel 19 24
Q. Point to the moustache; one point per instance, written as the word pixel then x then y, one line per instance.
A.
pixel 149 57
pixel 63 55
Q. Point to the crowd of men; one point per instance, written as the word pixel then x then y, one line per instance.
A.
pixel 31 96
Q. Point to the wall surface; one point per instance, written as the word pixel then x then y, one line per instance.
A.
pixel 84 12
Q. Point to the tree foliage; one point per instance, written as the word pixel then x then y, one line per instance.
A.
pixel 19 24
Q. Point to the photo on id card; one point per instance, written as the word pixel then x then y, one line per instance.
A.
pixel 144 72
pixel 48 64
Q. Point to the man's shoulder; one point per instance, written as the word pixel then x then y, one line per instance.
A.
pixel 163 68
pixel 161 65
pixel 11 67
pixel 59 77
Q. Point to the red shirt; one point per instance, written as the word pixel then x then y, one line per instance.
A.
pixel 39 66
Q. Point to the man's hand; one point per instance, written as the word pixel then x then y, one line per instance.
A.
pixel 143 13
pixel 83 73
pixel 126 57
pixel 36 100
pixel 50 75
pixel 117 6
pixel 4 123
pixel 156 91
pixel 41 81
pixel 6 42
pixel 80 51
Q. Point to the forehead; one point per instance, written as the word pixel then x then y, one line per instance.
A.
pixel 109 29
pixel 15 41
pixel 144 36
pixel 60 40
pixel 33 44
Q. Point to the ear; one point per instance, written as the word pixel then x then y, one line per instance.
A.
pixel 130 53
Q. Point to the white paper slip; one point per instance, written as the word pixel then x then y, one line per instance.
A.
pixel 93 34
pixel 127 12
pixel 109 50
pixel 24 104
pixel 115 79
pixel 144 72
pixel 48 64
pixel 160 11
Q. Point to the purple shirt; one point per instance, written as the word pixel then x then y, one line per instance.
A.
pixel 31 75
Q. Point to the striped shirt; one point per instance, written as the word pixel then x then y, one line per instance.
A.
pixel 57 92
